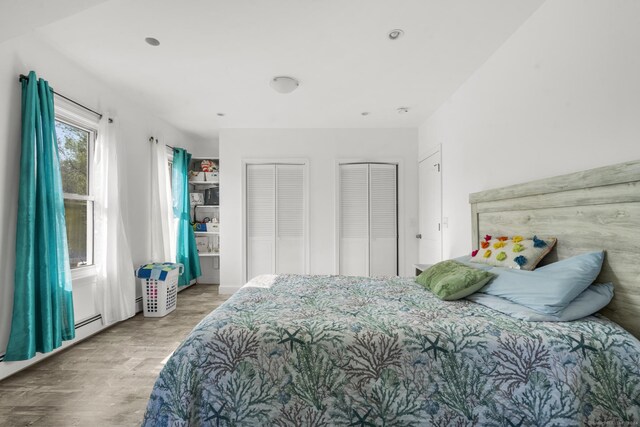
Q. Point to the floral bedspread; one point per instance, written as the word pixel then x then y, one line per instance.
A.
pixel 355 351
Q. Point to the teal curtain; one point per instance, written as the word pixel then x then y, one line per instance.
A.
pixel 186 250
pixel 42 300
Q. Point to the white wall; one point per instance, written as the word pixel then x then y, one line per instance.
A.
pixel 321 147
pixel 561 95
pixel 20 55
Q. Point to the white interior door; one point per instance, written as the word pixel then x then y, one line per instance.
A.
pixel 290 226
pixel 354 219
pixel 261 228
pixel 383 211
pixel 368 219
pixel 430 209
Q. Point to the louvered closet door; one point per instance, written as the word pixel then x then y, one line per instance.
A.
pixel 383 230
pixel 354 220
pixel 261 217
pixel 290 253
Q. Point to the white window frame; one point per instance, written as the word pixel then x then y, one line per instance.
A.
pixel 75 116
pixel 169 152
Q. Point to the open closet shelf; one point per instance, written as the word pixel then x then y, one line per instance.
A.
pixel 209 183
pixel 204 184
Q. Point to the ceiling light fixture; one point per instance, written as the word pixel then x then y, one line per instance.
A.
pixel 152 41
pixel 403 110
pixel 395 34
pixel 284 84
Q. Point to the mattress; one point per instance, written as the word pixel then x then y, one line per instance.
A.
pixel 335 350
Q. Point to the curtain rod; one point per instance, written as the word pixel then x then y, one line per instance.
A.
pixel 152 139
pixel 23 77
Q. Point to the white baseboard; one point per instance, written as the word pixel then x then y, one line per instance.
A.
pixel 83 332
pixel 182 288
pixel 228 290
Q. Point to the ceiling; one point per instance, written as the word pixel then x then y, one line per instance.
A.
pixel 19 17
pixel 218 56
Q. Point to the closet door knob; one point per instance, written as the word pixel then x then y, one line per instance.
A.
pixel 418 236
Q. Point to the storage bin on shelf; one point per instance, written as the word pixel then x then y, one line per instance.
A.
pixel 159 287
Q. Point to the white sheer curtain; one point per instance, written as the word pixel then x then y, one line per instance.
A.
pixel 163 239
pixel 116 283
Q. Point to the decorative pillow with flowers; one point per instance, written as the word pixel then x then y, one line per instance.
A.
pixel 513 252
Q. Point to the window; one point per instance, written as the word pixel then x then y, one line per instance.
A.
pixel 75 148
pixel 170 166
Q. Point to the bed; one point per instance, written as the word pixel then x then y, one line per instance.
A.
pixel 332 350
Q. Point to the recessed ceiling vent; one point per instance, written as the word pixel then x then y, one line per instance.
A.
pixel 152 41
pixel 395 34
pixel 284 84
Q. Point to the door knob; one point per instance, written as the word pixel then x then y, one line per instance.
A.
pixel 418 236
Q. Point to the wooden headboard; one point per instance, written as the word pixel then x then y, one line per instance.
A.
pixel 591 210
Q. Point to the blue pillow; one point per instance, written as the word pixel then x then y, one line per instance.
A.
pixel 592 300
pixel 547 289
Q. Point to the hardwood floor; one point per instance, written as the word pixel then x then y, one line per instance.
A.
pixel 106 379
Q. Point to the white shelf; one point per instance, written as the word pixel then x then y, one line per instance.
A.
pixel 204 182
pixel 206 232
pixel 209 254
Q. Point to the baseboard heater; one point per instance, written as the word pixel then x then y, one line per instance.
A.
pixel 77 326
pixel 87 321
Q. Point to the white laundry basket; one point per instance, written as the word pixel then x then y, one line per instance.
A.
pixel 159 294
